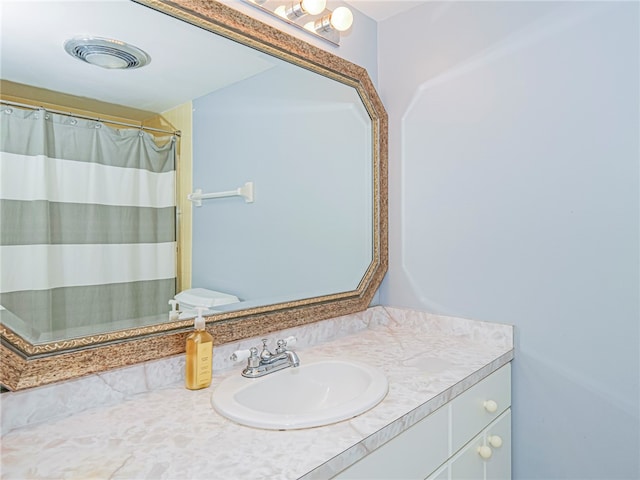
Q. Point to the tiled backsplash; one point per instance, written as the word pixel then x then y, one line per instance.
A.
pixel 65 398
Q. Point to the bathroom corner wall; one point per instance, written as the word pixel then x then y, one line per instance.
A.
pixel 514 197
pixel 182 116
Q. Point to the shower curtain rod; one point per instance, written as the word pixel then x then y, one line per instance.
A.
pixel 177 133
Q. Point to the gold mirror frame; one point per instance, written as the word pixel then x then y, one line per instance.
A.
pixel 23 365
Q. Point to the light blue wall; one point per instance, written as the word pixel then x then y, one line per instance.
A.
pixel 305 147
pixel 514 197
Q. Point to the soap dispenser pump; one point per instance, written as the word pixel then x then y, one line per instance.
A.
pixel 198 368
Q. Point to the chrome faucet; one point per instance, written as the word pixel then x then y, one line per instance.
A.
pixel 265 362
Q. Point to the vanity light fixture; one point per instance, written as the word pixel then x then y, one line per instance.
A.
pixel 301 8
pixel 312 16
pixel 340 19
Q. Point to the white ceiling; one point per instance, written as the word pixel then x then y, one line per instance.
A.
pixel 382 9
pixel 33 33
pixel 186 62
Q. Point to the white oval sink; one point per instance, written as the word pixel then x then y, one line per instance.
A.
pixel 310 395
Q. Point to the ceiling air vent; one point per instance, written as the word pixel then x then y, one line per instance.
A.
pixel 106 52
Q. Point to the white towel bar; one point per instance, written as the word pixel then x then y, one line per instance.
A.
pixel 245 191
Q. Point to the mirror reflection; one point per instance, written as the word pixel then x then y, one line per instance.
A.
pixel 99 239
pixel 305 143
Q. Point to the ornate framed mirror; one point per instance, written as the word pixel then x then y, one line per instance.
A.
pixel 32 361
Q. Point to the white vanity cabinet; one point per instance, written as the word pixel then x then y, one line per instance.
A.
pixel 468 438
pixel 413 454
pixel 488 455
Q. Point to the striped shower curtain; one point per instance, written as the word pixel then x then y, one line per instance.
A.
pixel 87 232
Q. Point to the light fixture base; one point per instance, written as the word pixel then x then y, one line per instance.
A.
pixel 303 22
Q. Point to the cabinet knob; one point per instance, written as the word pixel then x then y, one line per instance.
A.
pixel 485 452
pixel 490 406
pixel 495 441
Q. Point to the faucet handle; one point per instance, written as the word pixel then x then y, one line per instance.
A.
pixel 240 355
pixel 287 342
pixel 265 354
pixel 254 359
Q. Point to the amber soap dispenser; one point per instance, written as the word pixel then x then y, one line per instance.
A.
pixel 199 356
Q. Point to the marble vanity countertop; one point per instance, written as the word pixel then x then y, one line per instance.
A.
pixel 174 433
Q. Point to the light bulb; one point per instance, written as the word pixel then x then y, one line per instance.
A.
pixel 341 19
pixel 281 11
pixel 313 7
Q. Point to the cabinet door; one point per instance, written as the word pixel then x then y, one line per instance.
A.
pixel 441 474
pixel 474 409
pixel 412 455
pixel 470 463
pixel 498 467
pixel 467 463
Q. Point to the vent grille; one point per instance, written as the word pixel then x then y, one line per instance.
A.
pixel 106 53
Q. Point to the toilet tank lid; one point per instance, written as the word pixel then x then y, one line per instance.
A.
pixel 204 297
